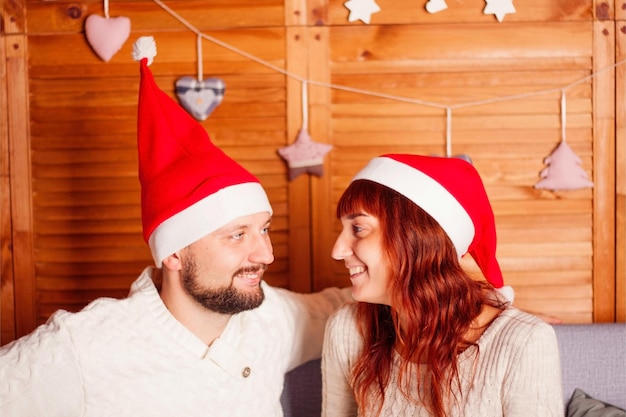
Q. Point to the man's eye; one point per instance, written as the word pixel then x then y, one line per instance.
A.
pixel 238 236
pixel 265 230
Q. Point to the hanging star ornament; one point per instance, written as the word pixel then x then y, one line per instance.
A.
pixel 499 8
pixel 305 156
pixel 361 10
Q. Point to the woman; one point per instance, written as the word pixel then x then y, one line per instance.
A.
pixel 425 338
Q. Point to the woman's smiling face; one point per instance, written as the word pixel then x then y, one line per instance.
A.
pixel 360 246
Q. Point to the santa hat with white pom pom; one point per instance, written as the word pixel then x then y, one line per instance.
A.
pixel 189 187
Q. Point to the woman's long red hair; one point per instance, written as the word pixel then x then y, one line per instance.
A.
pixel 434 302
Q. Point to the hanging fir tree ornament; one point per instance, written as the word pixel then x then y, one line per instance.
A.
pixel 304 155
pixel 197 95
pixel 106 35
pixel 499 8
pixel 361 10
pixel 563 171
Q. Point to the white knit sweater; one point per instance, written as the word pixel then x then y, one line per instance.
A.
pixel 131 357
pixel 516 372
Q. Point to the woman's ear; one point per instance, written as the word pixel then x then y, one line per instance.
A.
pixel 173 262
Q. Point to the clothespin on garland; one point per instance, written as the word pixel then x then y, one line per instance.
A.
pixel 304 155
pixel 563 170
pixel 197 95
pixel 106 35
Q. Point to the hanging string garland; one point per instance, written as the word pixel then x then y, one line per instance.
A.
pixel 106 35
pixel 448 108
pixel 197 95
pixel 304 155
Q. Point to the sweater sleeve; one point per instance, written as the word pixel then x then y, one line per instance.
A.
pixel 40 375
pixel 306 315
pixel 532 386
pixel 341 344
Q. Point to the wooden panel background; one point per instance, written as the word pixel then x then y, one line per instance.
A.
pixel 548 249
pixel 70 223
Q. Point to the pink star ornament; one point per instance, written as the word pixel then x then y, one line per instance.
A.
pixel 305 156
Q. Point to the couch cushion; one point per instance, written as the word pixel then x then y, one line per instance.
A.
pixel 302 396
pixel 583 405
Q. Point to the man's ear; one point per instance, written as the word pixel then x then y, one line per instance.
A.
pixel 173 262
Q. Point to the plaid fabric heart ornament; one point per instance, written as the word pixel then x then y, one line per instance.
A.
pixel 200 97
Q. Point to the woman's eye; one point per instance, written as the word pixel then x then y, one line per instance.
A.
pixel 238 236
pixel 356 229
pixel 265 230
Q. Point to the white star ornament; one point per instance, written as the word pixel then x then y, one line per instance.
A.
pixel 499 8
pixel 361 10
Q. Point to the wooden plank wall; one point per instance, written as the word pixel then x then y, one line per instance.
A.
pixel 86 229
pixel 555 248
pixel 70 223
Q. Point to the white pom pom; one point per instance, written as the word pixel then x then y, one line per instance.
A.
pixel 144 47
pixel 507 292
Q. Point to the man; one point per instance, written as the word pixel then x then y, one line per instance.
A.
pixel 199 335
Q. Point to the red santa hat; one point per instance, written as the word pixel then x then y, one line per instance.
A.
pixel 452 192
pixel 189 187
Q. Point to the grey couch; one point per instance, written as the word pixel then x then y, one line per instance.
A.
pixel 593 358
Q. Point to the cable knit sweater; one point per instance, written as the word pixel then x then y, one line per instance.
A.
pixel 514 371
pixel 131 357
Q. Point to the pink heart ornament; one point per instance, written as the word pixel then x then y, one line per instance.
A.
pixel 200 97
pixel 106 35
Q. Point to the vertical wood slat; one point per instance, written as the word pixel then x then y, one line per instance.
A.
pixel 295 13
pixel 12 14
pixel 320 122
pixel 7 303
pixel 604 172
pixel 620 163
pixel 299 202
pixel 21 188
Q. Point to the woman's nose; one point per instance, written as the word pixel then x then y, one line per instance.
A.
pixel 341 248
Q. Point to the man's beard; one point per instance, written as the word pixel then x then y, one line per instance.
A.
pixel 225 300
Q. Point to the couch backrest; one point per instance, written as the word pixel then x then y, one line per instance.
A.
pixel 593 358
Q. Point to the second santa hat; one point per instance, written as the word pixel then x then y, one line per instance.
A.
pixel 189 187
pixel 451 191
